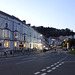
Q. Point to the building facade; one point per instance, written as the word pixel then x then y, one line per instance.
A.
pixel 17 35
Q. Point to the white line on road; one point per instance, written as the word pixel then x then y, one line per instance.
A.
pixel 43 70
pixel 47 67
pixel 63 58
pixel 36 73
pixel 29 58
pixel 57 66
pixel 53 68
pixel 24 62
pixel 60 64
pixel 52 65
pixel 43 73
pixel 49 70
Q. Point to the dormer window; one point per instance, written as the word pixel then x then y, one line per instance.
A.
pixel 6 25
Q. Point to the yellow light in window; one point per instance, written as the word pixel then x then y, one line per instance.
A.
pixel 15 44
pixel 7 43
pixel 4 44
pixel 15 35
pixel 24 44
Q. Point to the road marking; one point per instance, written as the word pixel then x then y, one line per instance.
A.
pixel 60 64
pixel 63 58
pixel 43 73
pixel 49 70
pixel 29 58
pixel 53 68
pixel 47 67
pixel 52 65
pixel 57 66
pixel 24 62
pixel 36 73
pixel 43 70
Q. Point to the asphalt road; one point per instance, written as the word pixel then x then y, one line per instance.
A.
pixel 49 63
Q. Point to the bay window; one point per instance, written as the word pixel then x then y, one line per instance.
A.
pixel 6 44
pixel 6 33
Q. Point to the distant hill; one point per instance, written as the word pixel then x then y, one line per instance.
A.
pixel 53 32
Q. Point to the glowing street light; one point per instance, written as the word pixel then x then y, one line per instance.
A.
pixel 41 35
pixel 67 45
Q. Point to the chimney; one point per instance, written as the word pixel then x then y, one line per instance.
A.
pixel 24 21
pixel 29 24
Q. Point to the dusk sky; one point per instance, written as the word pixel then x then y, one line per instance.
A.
pixel 48 13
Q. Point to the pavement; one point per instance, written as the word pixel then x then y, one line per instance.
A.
pixel 7 54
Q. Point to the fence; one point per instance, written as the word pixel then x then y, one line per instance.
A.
pixel 12 53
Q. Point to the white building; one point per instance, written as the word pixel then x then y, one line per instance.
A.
pixel 17 35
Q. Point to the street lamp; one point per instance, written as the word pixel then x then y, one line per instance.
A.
pixel 67 45
pixel 41 35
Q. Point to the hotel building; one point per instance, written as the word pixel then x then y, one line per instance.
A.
pixel 17 35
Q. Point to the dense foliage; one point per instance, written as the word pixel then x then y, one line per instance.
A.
pixel 53 32
pixel 72 42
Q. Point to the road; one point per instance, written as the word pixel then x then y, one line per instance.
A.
pixel 49 63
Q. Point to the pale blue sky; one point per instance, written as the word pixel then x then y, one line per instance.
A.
pixel 48 13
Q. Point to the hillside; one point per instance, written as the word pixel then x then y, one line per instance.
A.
pixel 53 32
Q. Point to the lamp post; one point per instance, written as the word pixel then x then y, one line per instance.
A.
pixel 67 45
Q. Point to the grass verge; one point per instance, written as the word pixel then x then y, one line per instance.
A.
pixel 72 52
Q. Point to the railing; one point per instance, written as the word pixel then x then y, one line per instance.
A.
pixel 11 53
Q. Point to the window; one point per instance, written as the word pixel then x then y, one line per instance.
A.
pixel 16 35
pixel 30 34
pixel 4 44
pixel 0 44
pixel 15 44
pixel 6 33
pixel 24 44
pixel 24 38
pixel 3 33
pixel 7 44
pixel 6 25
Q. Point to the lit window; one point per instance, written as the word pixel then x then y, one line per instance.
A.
pixel 15 44
pixel 3 33
pixel 7 43
pixel 15 35
pixel 4 44
pixel 24 44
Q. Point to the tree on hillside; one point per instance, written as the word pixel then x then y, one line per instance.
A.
pixel 72 43
pixel 53 32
